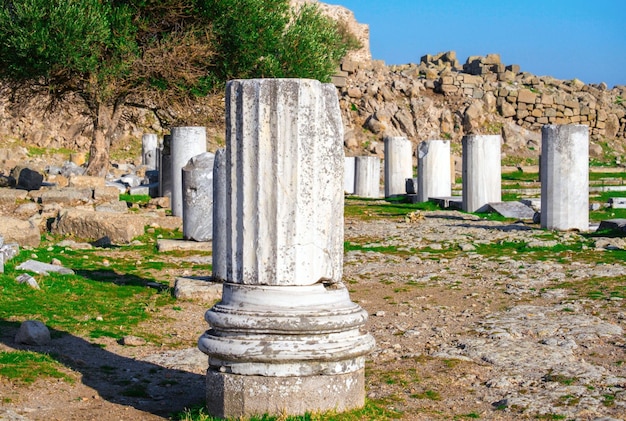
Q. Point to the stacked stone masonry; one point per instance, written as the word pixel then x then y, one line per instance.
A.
pixel 439 97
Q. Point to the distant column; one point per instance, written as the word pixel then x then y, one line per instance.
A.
pixel 433 170
pixel 219 216
pixel 186 143
pixel 398 165
pixel 565 177
pixel 349 174
pixel 482 182
pixel 367 176
pixel 197 178
pixel 149 146
pixel 285 338
pixel 165 167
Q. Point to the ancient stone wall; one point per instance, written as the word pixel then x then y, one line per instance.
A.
pixel 441 99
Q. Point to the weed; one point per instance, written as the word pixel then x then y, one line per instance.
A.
pixel 427 394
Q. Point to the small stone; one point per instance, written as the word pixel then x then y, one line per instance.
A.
pixel 32 332
pixel 132 341
pixel 25 278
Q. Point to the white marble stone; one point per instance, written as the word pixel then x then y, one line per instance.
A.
pixel 565 177
pixel 398 164
pixel 349 174
pixel 186 142
pixel 164 158
pixel 367 177
pixel 149 146
pixel 284 183
pixel 482 182
pixel 285 324
pixel 219 216
pixel 433 170
pixel 197 181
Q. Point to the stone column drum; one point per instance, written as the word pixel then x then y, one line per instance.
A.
pixel 219 216
pixel 197 180
pixel 186 142
pixel 398 165
pixel 565 177
pixel 149 146
pixel 165 167
pixel 367 176
pixel 349 174
pixel 433 170
pixel 285 338
pixel 482 183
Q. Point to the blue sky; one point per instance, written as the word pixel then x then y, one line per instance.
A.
pixel 559 38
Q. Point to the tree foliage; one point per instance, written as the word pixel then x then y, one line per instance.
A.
pixel 108 51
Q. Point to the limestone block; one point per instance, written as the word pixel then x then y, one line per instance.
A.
pixel 284 182
pixel 24 233
pixel 32 332
pixel 81 181
pixel 565 177
pixel 398 164
pixel 526 96
pixel 197 289
pixel 66 196
pixel 91 225
pixel 10 196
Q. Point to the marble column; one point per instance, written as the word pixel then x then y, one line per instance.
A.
pixel 565 177
pixel 285 339
pixel 197 178
pixel 219 216
pixel 186 143
pixel 433 170
pixel 482 183
pixel 149 146
pixel 367 176
pixel 398 165
pixel 349 174
pixel 165 167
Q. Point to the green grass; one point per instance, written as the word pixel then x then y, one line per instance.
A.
pixel 373 410
pixel 377 208
pixel 135 198
pixel 98 300
pixel 27 366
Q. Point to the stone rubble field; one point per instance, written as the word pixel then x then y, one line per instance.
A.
pixel 466 327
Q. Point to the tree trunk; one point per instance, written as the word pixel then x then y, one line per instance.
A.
pixel 106 120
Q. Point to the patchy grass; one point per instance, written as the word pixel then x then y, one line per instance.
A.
pixel 113 289
pixel 368 209
pixel 26 367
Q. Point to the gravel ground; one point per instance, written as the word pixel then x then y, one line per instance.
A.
pixel 463 331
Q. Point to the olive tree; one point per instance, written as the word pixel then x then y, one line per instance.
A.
pixel 112 52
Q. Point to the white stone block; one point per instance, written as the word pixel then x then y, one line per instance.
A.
pixel 433 170
pixel 367 178
pixel 398 164
pixel 565 177
pixel 186 142
pixel 482 174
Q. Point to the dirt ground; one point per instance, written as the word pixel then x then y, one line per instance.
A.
pixel 421 310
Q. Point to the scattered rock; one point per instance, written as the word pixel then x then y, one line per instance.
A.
pixel 32 332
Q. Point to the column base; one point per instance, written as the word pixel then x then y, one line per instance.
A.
pixel 234 395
